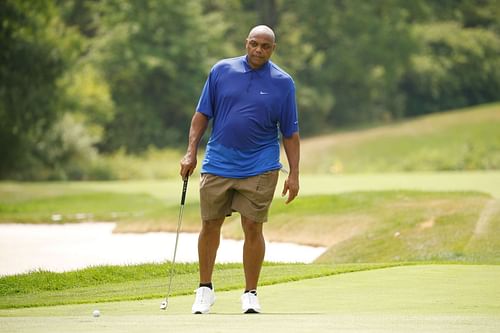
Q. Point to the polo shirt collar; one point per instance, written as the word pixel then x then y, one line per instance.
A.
pixel 248 68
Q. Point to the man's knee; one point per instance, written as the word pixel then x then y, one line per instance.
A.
pixel 251 228
pixel 212 225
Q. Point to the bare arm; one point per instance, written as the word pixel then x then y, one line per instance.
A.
pixel 292 150
pixel 199 124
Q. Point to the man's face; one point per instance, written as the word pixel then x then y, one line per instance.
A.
pixel 259 47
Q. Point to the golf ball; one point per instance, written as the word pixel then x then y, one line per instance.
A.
pixel 96 313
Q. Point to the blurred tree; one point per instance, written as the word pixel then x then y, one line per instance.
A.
pixel 267 12
pixel 467 13
pixel 298 55
pixel 360 51
pixel 154 56
pixel 80 14
pixel 86 93
pixel 233 19
pixel 35 50
pixel 456 63
pixel 456 67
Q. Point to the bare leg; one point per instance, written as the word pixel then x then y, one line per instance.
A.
pixel 208 243
pixel 254 250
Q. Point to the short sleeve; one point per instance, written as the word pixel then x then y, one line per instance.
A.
pixel 206 101
pixel 289 123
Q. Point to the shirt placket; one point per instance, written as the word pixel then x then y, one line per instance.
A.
pixel 250 80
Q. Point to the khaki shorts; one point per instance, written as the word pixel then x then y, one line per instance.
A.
pixel 251 197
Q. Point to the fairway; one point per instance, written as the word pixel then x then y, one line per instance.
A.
pixel 427 298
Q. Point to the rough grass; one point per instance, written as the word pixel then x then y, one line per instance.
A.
pixel 466 139
pixel 118 283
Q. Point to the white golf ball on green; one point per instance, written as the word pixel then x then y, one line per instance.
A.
pixel 96 313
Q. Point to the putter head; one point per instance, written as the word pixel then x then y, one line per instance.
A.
pixel 163 305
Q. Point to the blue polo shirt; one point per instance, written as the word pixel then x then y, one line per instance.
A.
pixel 248 109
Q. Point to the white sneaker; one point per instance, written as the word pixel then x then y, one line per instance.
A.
pixel 205 298
pixel 250 303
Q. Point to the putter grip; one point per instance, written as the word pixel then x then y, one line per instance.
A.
pixel 184 190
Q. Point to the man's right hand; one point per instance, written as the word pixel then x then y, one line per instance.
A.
pixel 188 164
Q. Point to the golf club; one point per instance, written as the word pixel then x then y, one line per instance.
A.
pixel 164 304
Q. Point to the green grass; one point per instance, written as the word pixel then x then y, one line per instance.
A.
pixel 154 205
pixel 101 206
pixel 466 139
pixel 118 283
pixel 389 226
pixel 428 298
pixel 39 281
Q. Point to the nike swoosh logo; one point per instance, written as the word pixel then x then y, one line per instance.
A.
pixel 264 93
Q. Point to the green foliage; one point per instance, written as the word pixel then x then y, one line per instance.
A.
pixel 361 49
pixel 457 67
pixel 153 55
pixel 87 94
pixel 467 13
pixel 36 49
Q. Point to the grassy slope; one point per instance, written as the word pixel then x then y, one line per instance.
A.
pixel 391 226
pixel 465 139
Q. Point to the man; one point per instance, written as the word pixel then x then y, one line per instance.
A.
pixel 249 100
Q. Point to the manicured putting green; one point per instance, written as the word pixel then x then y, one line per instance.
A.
pixel 430 298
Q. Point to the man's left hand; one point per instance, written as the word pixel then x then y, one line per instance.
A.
pixel 292 187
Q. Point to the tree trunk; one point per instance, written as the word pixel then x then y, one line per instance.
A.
pixel 267 13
